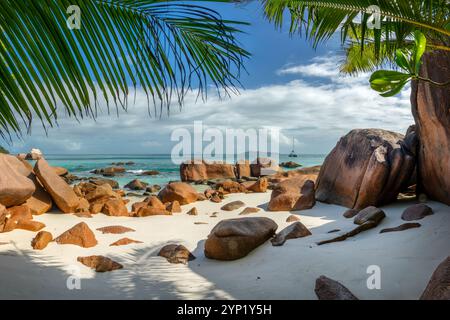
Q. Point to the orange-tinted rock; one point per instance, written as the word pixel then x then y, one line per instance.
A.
pixel 154 202
pixel 173 207
pixel 30 225
pixel 229 186
pixel 83 214
pixel 368 167
pixel 83 205
pixel 13 216
pixel 193 212
pixel 264 167
pixel 124 242
pixel 137 205
pixel 235 238
pixel 100 192
pixel 178 191
pixel 308 173
pixel 79 235
pixel 15 187
pixel 292 194
pixel 95 208
pixel 61 193
pixel 115 208
pixel 176 253
pixel 438 287
pixel 100 263
pixel 219 170
pixel 257 186
pixel 40 202
pixel 243 169
pixel 193 171
pixel 42 239
pixel 150 211
pixel 115 230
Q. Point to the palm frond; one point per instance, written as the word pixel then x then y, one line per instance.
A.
pixel 164 47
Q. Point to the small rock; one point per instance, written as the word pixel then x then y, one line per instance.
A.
pixel 136 185
pixel 193 212
pixel 350 213
pixel 200 222
pixel 293 231
pixel 233 206
pixel 100 263
pixel 176 253
pixel 329 289
pixel 30 225
pixel 369 214
pixel 79 235
pixel 41 240
pixel 334 230
pixel 249 210
pixel 292 218
pixel 402 227
pixel 173 207
pixel 124 241
pixel 115 230
pixel 150 173
pixel 416 212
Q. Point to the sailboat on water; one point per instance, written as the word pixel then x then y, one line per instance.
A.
pixel 293 154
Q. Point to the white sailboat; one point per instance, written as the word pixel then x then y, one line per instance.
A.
pixel 293 154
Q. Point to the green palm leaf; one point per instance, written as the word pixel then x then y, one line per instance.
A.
pixel 164 47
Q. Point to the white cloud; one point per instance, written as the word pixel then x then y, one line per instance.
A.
pixel 315 113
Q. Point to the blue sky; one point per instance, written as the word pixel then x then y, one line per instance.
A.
pixel 289 86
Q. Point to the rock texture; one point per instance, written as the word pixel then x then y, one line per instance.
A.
pixel 100 263
pixel 249 210
pixel 124 242
pixel 369 214
pixel 438 287
pixel 61 193
pixel 402 227
pixel 42 239
pixel 175 253
pixel 79 235
pixel 178 191
pixel 15 187
pixel 293 231
pixel 235 238
pixel 430 108
pixel 329 289
pixel 115 230
pixel 233 206
pixel 199 170
pixel 368 167
pixel 416 212
pixel 293 194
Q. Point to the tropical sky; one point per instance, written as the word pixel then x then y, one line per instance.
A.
pixel 288 85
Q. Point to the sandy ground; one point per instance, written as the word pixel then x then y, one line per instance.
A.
pixel 406 259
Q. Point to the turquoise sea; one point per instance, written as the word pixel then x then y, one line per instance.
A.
pixel 81 165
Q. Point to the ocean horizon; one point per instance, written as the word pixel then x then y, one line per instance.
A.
pixel 81 165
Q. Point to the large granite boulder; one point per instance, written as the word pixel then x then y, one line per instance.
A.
pixel 15 186
pixel 293 194
pixel 329 289
pixel 430 108
pixel 178 191
pixel 62 194
pixel 264 167
pixel 368 167
pixel 235 238
pixel 194 170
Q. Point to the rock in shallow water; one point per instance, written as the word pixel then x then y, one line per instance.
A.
pixel 329 289
pixel 235 238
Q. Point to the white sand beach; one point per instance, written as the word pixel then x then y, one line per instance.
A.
pixel 406 258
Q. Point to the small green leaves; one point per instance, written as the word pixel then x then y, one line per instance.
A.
pixel 388 83
pixel 419 49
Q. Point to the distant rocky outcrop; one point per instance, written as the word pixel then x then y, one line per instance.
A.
pixel 290 165
pixel 34 154
pixel 367 167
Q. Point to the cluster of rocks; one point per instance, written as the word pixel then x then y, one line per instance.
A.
pixel 200 170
